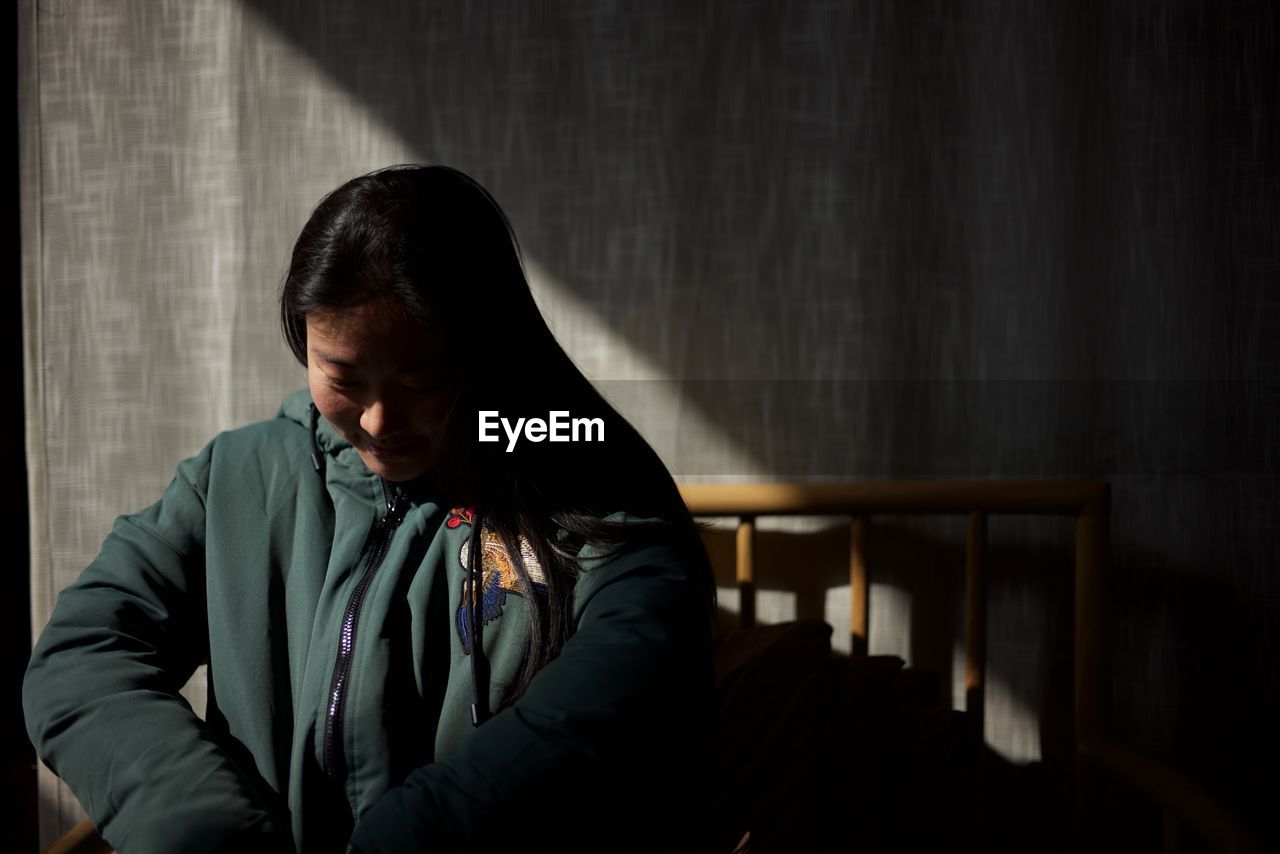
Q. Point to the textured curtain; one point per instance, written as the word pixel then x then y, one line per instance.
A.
pixel 790 239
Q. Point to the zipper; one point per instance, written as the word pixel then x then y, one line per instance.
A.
pixel 397 507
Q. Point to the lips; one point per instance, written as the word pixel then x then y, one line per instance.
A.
pixel 385 452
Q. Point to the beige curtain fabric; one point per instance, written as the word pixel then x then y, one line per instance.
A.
pixel 170 152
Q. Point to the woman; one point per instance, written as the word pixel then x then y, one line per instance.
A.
pixel 416 640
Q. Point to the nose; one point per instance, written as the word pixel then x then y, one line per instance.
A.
pixel 379 420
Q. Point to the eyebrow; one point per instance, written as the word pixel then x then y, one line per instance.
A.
pixel 325 357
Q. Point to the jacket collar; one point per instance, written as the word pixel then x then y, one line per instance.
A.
pixel 336 450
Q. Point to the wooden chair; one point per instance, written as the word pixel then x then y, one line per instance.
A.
pixel 1185 804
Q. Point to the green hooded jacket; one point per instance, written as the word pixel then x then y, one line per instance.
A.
pixel 327 604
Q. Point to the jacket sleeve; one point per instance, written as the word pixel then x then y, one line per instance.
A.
pixel 101 691
pixel 598 743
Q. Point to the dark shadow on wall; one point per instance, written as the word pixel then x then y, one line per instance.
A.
pixel 834 198
pixel 826 204
pixel 884 191
pixel 1206 668
pixel 660 160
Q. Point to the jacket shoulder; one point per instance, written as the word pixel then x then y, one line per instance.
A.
pixel 269 431
pixel 278 443
pixel 600 568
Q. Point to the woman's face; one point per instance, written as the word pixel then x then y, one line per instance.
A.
pixel 382 380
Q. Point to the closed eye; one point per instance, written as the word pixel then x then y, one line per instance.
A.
pixel 342 384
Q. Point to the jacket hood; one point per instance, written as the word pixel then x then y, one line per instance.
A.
pixel 297 407
pixel 324 439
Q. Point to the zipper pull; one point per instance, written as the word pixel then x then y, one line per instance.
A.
pixel 397 508
pixel 394 501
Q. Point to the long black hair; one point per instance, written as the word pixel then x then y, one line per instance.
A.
pixel 435 240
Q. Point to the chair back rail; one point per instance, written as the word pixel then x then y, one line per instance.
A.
pixel 1184 802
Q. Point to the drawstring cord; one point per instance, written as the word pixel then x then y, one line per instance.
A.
pixel 315 446
pixel 475 584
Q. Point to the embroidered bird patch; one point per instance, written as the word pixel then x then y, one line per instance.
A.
pixel 498 575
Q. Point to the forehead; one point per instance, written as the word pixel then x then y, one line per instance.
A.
pixel 380 332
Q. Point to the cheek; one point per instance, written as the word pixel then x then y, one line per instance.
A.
pixel 335 408
pixel 431 414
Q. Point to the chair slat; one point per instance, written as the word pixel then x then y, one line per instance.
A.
pixel 746 554
pixel 858 585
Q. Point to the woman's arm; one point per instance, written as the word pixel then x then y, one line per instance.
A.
pixel 101 692
pixel 600 742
